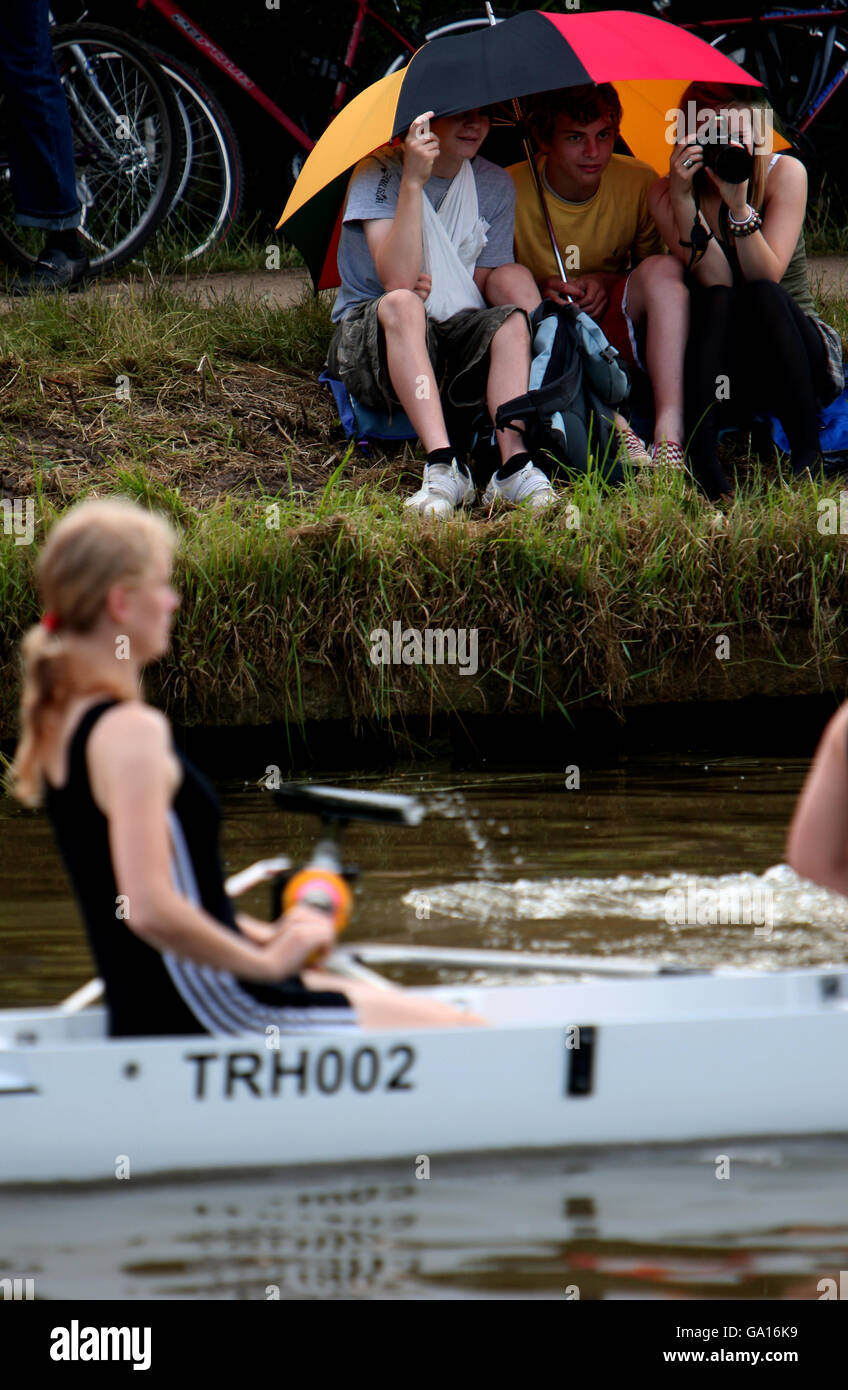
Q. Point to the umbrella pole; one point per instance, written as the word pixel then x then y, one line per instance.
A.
pixel 528 151
pixel 540 192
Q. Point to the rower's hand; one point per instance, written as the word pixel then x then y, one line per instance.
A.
pixel 305 935
pixel 420 150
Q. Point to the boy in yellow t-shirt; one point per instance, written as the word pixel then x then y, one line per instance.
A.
pixel 622 278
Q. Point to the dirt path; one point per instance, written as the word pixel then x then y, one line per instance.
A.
pixel 281 287
pixel 831 274
pixel 284 287
pixel 287 287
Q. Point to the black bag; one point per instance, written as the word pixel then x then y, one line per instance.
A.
pixel 576 381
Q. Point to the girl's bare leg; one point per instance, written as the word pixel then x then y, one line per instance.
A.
pixel 384 1008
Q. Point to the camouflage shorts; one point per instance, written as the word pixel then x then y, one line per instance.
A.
pixel 458 348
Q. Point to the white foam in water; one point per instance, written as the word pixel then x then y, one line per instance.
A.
pixel 768 920
pixel 642 897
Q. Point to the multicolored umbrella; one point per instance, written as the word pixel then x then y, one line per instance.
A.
pixel 648 61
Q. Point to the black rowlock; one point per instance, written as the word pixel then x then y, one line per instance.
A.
pixel 336 807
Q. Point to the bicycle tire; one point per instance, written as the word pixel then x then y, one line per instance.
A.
pixel 783 58
pixel 127 169
pixel 445 26
pixel 210 190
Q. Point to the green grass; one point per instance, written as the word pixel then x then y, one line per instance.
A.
pixel 245 250
pixel 296 548
pixel 281 595
pixel 827 225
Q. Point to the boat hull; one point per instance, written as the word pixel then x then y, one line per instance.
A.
pixel 666 1060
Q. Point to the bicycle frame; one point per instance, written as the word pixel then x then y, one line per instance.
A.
pixel 770 20
pixel 186 26
pixel 771 17
pixel 409 40
pixel 116 118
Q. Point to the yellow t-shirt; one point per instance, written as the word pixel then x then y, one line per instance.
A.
pixel 611 231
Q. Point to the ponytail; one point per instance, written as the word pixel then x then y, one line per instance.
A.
pixel 44 681
pixel 95 544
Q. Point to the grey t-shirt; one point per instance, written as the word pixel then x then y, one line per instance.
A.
pixel 373 193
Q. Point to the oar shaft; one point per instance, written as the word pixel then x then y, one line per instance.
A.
pixel 81 998
pixel 524 961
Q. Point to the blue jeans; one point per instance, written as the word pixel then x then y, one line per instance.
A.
pixel 41 150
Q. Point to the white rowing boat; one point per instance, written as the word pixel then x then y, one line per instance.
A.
pixel 622 1055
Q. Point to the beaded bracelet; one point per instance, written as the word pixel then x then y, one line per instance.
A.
pixel 750 224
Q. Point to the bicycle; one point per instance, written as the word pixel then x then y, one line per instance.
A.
pixel 125 126
pixel 801 58
pixel 209 131
pixel 207 200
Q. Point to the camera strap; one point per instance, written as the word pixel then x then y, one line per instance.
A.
pixel 701 237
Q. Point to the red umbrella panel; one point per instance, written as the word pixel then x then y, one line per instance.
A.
pixel 649 61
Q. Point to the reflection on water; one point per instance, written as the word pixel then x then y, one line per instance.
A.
pixel 648 1223
pixel 522 861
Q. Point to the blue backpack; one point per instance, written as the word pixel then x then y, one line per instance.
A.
pixel 576 380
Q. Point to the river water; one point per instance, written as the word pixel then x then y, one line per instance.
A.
pixel 583 860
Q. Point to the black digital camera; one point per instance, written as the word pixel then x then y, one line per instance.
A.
pixel 728 159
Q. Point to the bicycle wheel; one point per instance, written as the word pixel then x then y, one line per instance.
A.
pixel 208 196
pixel 795 63
pixel 442 28
pixel 127 140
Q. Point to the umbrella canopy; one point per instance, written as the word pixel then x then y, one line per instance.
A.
pixel 648 61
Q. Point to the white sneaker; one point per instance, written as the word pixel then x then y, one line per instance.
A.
pixel 529 484
pixel 443 489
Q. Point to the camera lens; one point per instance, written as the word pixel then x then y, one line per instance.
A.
pixel 733 163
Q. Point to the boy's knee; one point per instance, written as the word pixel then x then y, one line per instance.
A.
pixel 512 284
pixel 661 274
pixel 504 277
pixel 401 310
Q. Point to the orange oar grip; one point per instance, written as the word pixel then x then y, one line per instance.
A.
pixel 322 889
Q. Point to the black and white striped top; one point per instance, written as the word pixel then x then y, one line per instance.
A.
pixel 149 992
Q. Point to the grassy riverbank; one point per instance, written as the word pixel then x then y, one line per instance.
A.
pixel 297 549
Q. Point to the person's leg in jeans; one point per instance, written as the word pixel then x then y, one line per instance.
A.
pixel 41 155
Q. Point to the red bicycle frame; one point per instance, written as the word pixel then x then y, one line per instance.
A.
pixel 186 26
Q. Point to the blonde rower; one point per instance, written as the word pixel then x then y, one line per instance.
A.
pixel 137 824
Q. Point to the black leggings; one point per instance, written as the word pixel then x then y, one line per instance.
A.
pixel 751 349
